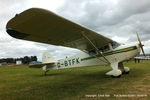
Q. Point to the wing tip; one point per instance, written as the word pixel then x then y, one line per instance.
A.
pixel 16 34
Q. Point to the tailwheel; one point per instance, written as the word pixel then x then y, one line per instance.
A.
pixel 45 73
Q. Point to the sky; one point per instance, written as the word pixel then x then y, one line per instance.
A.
pixel 116 19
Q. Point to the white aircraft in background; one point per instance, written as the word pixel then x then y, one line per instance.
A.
pixel 142 57
pixel 43 26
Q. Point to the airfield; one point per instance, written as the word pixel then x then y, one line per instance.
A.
pixel 85 83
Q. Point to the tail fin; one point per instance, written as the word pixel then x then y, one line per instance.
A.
pixel 47 58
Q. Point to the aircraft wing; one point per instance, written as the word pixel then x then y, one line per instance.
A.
pixel 43 26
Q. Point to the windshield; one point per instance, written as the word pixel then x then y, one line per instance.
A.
pixel 115 44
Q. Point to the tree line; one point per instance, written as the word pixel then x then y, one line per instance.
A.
pixel 25 60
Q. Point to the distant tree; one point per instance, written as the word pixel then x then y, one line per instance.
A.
pixel 10 60
pixel 33 58
pixel 25 60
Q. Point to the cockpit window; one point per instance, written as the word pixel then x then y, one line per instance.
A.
pixel 115 44
pixel 105 48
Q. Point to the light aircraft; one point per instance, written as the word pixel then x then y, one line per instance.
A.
pixel 40 25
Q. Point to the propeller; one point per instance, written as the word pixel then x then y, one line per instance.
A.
pixel 140 44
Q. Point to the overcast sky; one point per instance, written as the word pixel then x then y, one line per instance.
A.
pixel 116 19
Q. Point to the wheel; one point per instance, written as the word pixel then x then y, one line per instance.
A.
pixel 127 72
pixel 45 73
pixel 123 73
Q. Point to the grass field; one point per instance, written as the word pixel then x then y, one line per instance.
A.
pixel 23 83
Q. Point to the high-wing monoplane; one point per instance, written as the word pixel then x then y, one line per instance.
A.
pixel 40 25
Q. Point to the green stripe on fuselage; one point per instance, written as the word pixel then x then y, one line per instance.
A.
pixel 112 52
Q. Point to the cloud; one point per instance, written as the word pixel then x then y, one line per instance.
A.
pixel 116 19
pixel 109 17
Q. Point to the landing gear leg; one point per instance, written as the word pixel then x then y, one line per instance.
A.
pixel 115 72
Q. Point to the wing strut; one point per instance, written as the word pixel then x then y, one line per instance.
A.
pixel 95 56
pixel 95 47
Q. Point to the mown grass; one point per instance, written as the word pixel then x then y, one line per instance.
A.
pixel 23 83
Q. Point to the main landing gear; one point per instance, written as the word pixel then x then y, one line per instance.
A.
pixel 118 70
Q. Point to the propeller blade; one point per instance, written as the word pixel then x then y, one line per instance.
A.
pixel 140 44
pixel 143 50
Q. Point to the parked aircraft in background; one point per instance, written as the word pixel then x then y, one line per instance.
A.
pixel 142 57
pixel 43 26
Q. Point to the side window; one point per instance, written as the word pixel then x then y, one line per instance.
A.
pixel 105 48
pixel 92 52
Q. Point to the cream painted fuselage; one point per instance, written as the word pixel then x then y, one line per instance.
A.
pixel 114 56
pixel 119 54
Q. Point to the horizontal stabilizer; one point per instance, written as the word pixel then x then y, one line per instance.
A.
pixel 50 65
